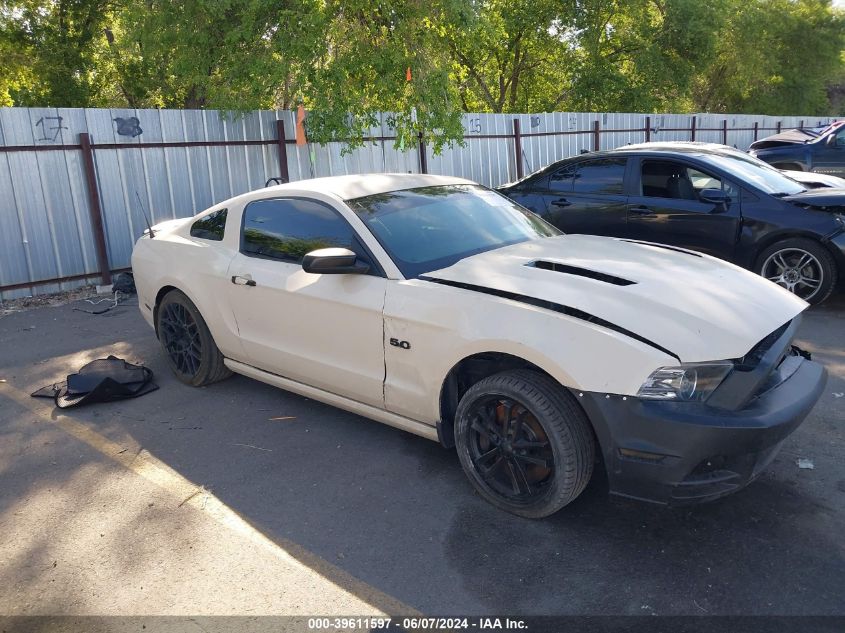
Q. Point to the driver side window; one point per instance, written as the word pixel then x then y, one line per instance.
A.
pixel 287 229
pixel 676 181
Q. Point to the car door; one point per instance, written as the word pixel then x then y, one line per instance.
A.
pixel 587 197
pixel 829 154
pixel 666 207
pixel 322 330
pixel 529 194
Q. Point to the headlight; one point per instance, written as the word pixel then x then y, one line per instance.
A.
pixel 690 382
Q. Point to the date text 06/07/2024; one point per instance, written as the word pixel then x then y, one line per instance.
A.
pixel 415 623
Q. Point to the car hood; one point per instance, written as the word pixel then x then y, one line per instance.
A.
pixel 815 178
pixel 697 307
pixel 790 137
pixel 825 199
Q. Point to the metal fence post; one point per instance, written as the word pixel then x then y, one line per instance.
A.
pixel 95 207
pixel 756 129
pixel 282 148
pixel 596 135
pixel 517 145
pixel 724 132
pixel 647 129
pixel 778 127
pixel 423 156
pixel 692 128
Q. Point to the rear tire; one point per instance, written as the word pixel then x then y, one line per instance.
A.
pixel 524 443
pixel 187 342
pixel 802 266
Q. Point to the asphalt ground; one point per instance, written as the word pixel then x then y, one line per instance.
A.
pixel 242 499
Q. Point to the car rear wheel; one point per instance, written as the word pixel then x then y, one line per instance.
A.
pixel 191 352
pixel 802 266
pixel 524 443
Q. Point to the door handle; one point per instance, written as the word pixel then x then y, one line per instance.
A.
pixel 641 210
pixel 243 280
pixel 561 202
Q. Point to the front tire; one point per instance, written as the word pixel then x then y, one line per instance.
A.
pixel 802 266
pixel 191 351
pixel 524 443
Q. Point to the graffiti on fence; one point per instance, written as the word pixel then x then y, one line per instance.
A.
pixel 55 128
pixel 130 126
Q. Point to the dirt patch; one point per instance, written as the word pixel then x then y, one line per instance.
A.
pixel 56 299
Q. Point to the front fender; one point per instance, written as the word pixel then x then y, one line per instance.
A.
pixel 443 326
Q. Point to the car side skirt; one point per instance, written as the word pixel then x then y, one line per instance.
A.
pixel 379 415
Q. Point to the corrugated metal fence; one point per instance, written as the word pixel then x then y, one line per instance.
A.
pixel 64 173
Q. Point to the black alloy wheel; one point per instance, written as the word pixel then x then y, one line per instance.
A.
pixel 181 339
pixel 191 351
pixel 510 449
pixel 524 442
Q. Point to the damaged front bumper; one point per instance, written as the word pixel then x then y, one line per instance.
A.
pixel 686 452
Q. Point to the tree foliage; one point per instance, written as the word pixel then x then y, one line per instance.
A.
pixel 347 60
pixel 774 56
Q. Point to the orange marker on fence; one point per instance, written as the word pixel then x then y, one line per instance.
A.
pixel 300 126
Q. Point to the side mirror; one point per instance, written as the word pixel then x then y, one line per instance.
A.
pixel 716 197
pixel 333 261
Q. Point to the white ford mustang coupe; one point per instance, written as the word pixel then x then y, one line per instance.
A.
pixel 442 308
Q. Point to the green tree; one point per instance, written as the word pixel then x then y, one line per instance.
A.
pixel 508 55
pixel 55 53
pixel 640 55
pixel 774 56
pixel 362 71
pixel 346 60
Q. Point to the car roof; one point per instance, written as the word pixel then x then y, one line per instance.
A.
pixel 359 185
pixel 690 148
pixel 654 148
pixel 682 146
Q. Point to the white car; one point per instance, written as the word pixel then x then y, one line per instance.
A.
pixel 442 308
pixel 813 180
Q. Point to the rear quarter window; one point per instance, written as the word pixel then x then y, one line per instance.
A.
pixel 211 227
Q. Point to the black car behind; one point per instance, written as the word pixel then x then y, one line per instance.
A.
pixel 725 204
pixel 814 150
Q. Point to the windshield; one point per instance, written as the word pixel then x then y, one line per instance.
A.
pixel 825 130
pixel 755 172
pixel 430 228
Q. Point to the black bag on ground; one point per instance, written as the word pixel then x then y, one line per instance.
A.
pixel 125 283
pixel 100 380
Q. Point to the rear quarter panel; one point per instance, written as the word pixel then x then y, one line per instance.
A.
pixel 196 267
